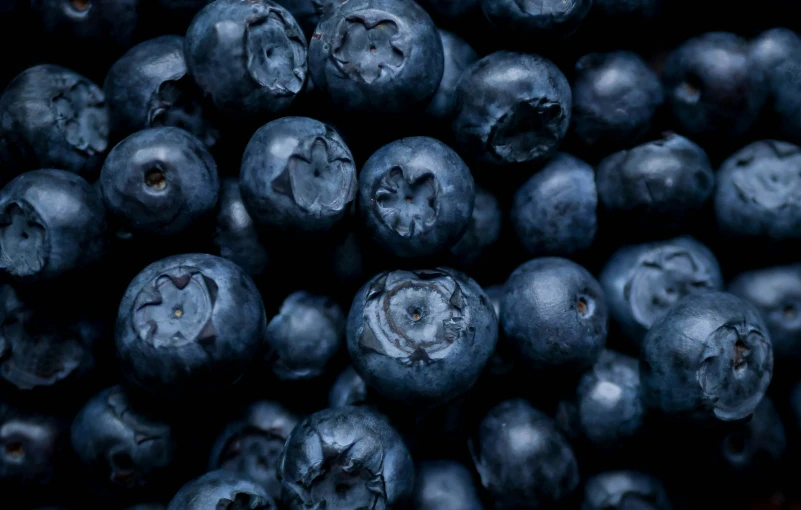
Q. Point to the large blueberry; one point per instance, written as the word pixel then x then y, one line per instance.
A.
pixel 349 389
pixel 297 174
pixel 52 222
pixel 523 460
pixel 381 56
pixel 189 324
pixel 444 485
pixel 554 314
pixel 222 490
pixel 642 282
pixel 31 448
pixel 555 211
pixel 248 56
pixel 482 232
pixel 536 19
pixel 416 196
pixel 708 359
pixel 512 108
pixel 624 490
pixel 236 235
pixel 51 117
pixel 349 457
pixel 459 55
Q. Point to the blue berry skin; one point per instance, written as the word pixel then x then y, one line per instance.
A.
pixel 458 56
pixel 349 389
pixel 444 485
pixel 118 441
pixel 555 211
pixel 159 181
pixel 248 56
pixel 542 19
pixel 512 108
pixel 759 192
pixel 236 235
pixel 33 443
pixel 712 86
pixel 189 324
pixel 659 184
pixel 52 222
pixel 349 457
pixel 149 87
pixel 304 337
pixel 421 336
pixel 554 314
pixel 482 232
pixel 755 449
pixel 308 13
pixel 708 360
pixel 624 490
pixel 297 174
pixel 776 293
pixel 615 97
pixel 251 446
pixel 379 56
pixel 222 490
pixel 51 117
pixel 523 460
pixel 416 197
pixel 643 282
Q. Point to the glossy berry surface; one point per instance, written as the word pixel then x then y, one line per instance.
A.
pixel 540 19
pixel 458 55
pixel 445 485
pixel 618 490
pixel 32 448
pixel 221 490
pixel 349 389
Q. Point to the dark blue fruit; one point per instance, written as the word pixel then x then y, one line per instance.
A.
pixel 236 235
pixel 308 13
pixel 349 389
pixel 31 449
pixel 757 447
pixel 624 490
pixel 482 232
pixel 444 485
pixel 458 56
pixel 536 19
pixel 222 490
pixel 778 53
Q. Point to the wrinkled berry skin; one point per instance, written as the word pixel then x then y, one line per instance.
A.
pixel 349 389
pixel 482 232
pixel 615 97
pixel 512 108
pixel 421 336
pixel 52 223
pixel 222 490
pixel 620 490
pixel 248 56
pixel 642 282
pixel 709 359
pixel 759 192
pixel 555 211
pixel 712 86
pixel 377 56
pixel 349 457
pixel 444 485
pixel 297 174
pixel 659 184
pixel 189 324
pixel 121 443
pixel 309 12
pixel 542 19
pixel 159 181
pixel 554 314
pixel 149 87
pixel 776 293
pixel 458 56
pixel 755 449
pixel 236 235
pixel 252 445
pixel 416 197
pixel 31 446
pixel 524 462
pixel 51 117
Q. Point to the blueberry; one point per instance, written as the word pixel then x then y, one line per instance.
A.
pixel 450 9
pixel 297 174
pixel 159 181
pixel 31 448
pixel 778 53
pixel 349 389
pixel 52 222
pixel 303 338
pixel 421 336
pixel 308 13
pixel 482 232
pixel 554 212
pixel 615 97
pixel 189 324
pixel 502 362
pixel 444 485
pixel 248 56
pixel 458 56
pixel 51 117
pixel 236 235
pixel 222 490
pixel 708 359
pixel 759 192
pixel 416 196
pixel 149 87
pixel 252 446
pixel 554 314
pixel 118 440
pixel 512 108
pixel 524 462
pixel 776 293
pixel 656 185
pixel 624 490
pixel 642 282
pixel 713 87
pixel 536 19
pixel 381 56
pixel 772 47
pixel 756 447
pixel 93 22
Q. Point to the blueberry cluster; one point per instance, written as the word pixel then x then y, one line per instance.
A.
pixel 400 255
